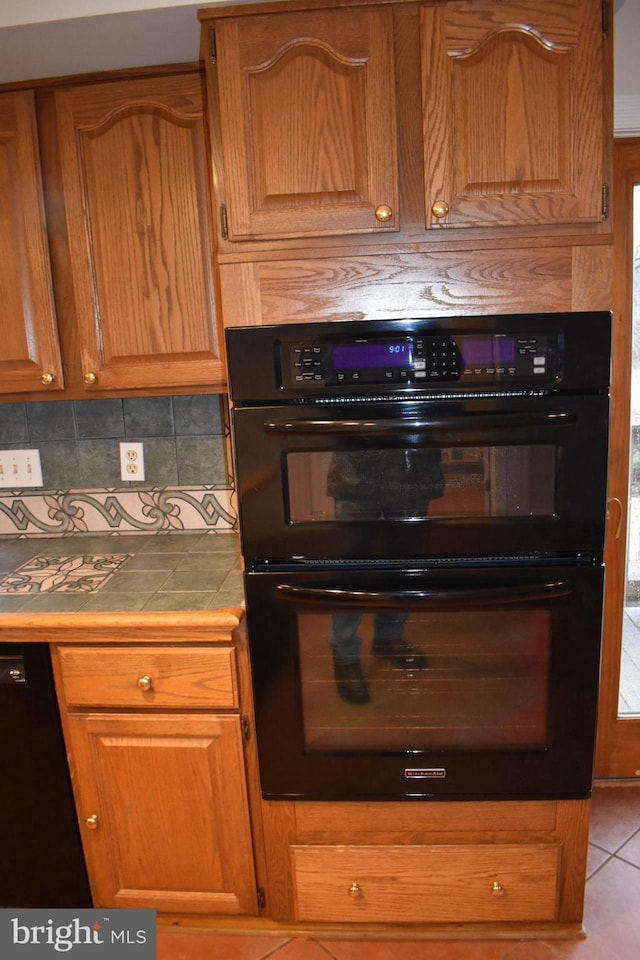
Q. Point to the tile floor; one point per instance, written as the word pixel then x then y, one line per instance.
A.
pixel 612 911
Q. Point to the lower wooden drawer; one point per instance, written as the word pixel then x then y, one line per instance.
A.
pixel 149 676
pixel 419 884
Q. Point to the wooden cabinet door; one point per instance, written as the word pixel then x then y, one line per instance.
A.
pixel 513 112
pixel 163 811
pixel 136 195
pixel 307 117
pixel 29 349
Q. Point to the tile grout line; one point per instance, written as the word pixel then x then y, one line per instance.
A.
pixel 622 845
pixel 325 950
pixel 625 842
pixel 614 855
pixel 274 953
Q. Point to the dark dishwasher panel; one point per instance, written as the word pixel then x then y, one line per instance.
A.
pixel 41 860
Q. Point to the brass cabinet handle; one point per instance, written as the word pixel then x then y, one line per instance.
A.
pixel 384 213
pixel 497 889
pixel 92 822
pixel 354 890
pixel 90 378
pixel 145 683
pixel 47 379
pixel 440 209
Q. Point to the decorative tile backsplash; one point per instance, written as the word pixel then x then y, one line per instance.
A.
pixel 188 484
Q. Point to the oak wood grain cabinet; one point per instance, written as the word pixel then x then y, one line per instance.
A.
pixel 29 352
pixel 155 743
pixel 307 113
pixel 396 119
pixel 500 868
pixel 137 271
pixel 514 118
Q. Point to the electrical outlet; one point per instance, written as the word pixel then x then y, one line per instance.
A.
pixel 132 461
pixel 20 468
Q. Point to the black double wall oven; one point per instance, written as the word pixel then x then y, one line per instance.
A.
pixel 422 511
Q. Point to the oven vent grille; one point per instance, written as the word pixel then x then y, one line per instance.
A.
pixel 399 398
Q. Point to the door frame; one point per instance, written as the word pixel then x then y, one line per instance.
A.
pixel 618 739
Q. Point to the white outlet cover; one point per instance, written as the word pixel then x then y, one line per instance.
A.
pixel 132 462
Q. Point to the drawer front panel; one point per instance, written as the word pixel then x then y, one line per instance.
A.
pixel 440 883
pixel 180 677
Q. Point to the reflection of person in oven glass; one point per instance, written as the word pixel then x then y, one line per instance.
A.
pixel 369 485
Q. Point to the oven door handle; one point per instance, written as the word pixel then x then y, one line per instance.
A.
pixel 393 427
pixel 400 599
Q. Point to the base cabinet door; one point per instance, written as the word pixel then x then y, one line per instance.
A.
pixel 163 811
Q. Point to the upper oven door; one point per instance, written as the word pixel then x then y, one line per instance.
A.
pixel 477 477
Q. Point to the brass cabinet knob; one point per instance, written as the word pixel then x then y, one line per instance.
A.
pixel 47 379
pixel 440 209
pixel 145 683
pixel 92 821
pixel 354 890
pixel 90 378
pixel 384 213
pixel 497 889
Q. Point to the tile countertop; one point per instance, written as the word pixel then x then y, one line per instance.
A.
pixel 130 580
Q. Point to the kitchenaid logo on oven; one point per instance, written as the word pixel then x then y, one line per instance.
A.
pixel 82 933
pixel 425 773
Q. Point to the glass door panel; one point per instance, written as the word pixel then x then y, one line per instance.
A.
pixel 629 691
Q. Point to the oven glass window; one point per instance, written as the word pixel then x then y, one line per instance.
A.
pixel 374 484
pixel 395 681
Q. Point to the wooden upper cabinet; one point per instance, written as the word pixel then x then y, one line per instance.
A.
pixel 308 127
pixel 29 349
pixel 513 112
pixel 134 172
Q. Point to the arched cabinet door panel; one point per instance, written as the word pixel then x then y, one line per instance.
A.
pixel 135 180
pixel 513 112
pixel 307 116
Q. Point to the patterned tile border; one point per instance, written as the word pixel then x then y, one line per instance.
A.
pixel 83 574
pixel 60 513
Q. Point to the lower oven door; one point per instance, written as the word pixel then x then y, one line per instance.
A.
pixel 477 683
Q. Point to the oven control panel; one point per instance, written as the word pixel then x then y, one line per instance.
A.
pixel 418 360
